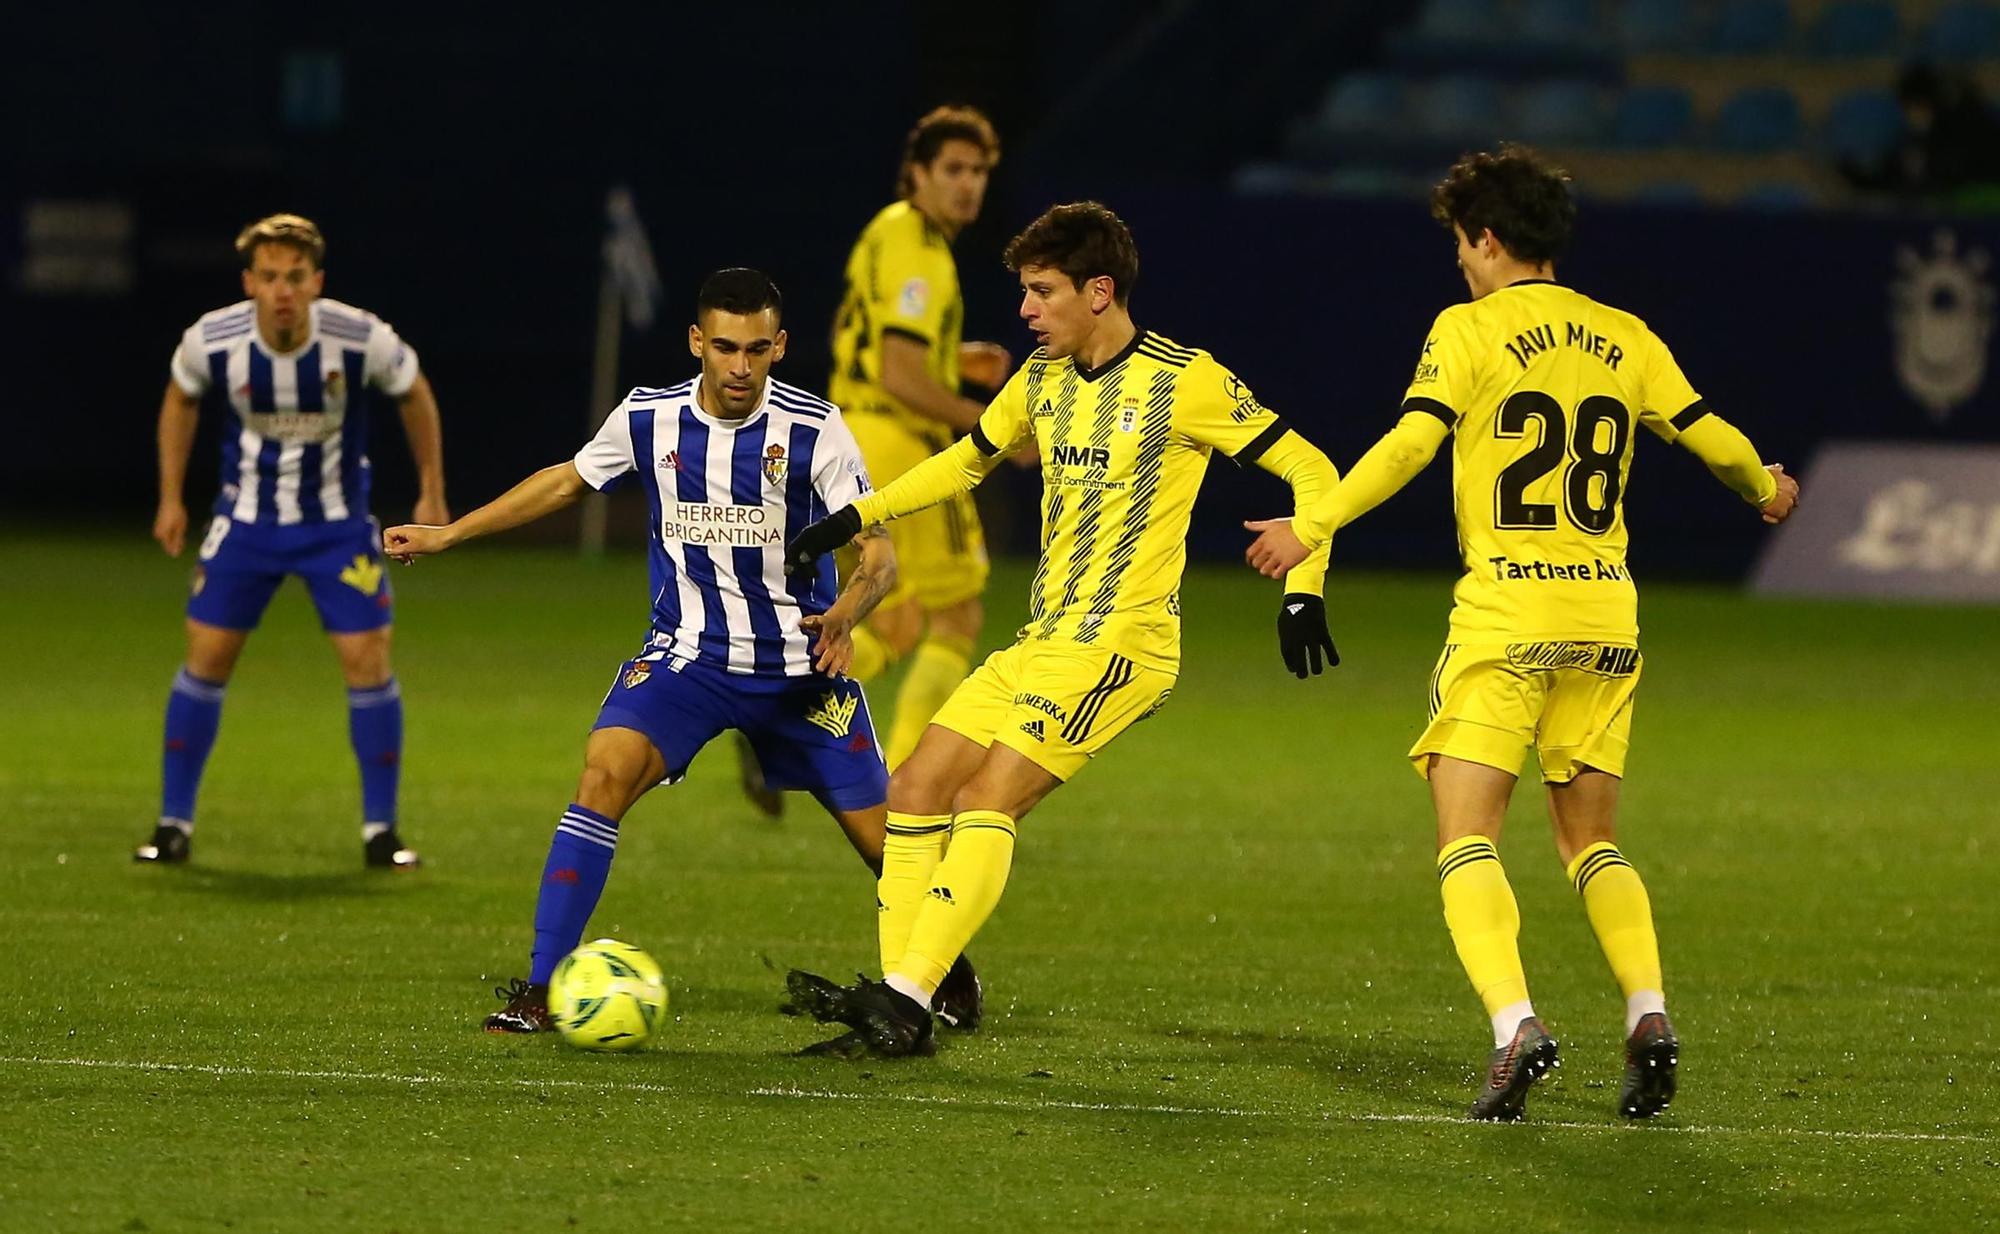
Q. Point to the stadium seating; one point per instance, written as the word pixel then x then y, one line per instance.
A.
pixel 1760 99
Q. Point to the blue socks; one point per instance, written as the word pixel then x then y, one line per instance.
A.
pixel 194 712
pixel 375 725
pixel 572 880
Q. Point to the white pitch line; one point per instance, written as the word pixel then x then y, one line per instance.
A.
pixel 983 1103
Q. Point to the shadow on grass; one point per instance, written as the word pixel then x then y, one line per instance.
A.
pixel 258 886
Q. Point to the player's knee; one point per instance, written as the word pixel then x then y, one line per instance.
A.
pixel 364 658
pixel 607 789
pixel 900 627
pixel 960 621
pixel 917 789
pixel 212 651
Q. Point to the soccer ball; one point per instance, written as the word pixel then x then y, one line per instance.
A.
pixel 607 995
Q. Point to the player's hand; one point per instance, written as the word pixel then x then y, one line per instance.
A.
pixel 984 364
pixel 409 542
pixel 816 541
pixel 833 649
pixel 1780 507
pixel 1276 549
pixel 1302 635
pixel 431 511
pixel 170 524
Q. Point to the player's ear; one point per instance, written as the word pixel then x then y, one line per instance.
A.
pixel 1100 293
pixel 694 341
pixel 778 346
pixel 249 288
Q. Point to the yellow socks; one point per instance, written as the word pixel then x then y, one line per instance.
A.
pixel 1622 917
pixel 940 663
pixel 1485 924
pixel 871 655
pixel 964 888
pixel 910 852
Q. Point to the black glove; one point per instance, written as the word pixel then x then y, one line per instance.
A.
pixel 803 553
pixel 1302 635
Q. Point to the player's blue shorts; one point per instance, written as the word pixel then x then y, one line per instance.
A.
pixel 810 733
pixel 242 564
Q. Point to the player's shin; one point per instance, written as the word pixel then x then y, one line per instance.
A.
pixel 964 888
pixel 1621 915
pixel 194 713
pixel 939 665
pixel 911 851
pixel 1485 927
pixel 375 726
pixel 572 880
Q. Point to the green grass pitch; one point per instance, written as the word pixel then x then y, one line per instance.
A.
pixel 1222 996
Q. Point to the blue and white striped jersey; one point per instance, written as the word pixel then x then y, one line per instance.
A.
pixel 725 496
pixel 295 440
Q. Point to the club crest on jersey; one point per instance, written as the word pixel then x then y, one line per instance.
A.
pixel 1128 415
pixel 640 670
pixel 774 464
pixel 331 383
pixel 835 713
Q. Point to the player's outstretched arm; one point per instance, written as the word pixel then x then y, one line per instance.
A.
pixel 1733 460
pixel 1304 641
pixel 1390 463
pixel 545 492
pixel 942 476
pixel 873 578
pixel 425 432
pixel 180 412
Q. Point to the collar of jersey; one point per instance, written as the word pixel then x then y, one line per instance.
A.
pixel 715 421
pixel 1530 283
pixel 1092 374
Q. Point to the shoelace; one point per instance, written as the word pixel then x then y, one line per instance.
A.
pixel 515 989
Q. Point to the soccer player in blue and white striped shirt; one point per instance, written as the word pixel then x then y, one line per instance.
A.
pixel 291 375
pixel 732 464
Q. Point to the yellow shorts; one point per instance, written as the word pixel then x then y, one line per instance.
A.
pixel 940 552
pixel 1572 701
pixel 1056 703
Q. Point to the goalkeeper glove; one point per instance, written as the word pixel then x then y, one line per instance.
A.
pixel 1302 635
pixel 816 541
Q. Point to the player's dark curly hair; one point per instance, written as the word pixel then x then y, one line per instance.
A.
pixel 1084 240
pixel 1518 193
pixel 951 122
pixel 739 290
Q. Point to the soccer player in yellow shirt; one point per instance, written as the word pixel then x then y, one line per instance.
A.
pixel 1539 388
pixel 897 361
pixel 1125 421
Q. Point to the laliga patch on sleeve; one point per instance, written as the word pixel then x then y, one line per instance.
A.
pixel 911 300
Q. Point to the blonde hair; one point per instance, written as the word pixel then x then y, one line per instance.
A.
pixel 292 230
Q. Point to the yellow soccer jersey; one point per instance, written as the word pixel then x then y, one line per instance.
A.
pixel 901 279
pixel 1124 448
pixel 1541 387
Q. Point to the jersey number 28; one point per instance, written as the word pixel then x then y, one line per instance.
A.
pixel 1592 507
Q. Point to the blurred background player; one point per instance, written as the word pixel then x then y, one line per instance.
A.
pixel 1125 421
pixel 728 462
pixel 897 364
pixel 291 373
pixel 1542 387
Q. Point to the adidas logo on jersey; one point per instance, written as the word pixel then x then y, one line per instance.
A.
pixel 1295 609
pixel 943 893
pixel 1033 728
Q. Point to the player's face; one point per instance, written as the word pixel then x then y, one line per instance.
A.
pixel 953 186
pixel 736 351
pixel 284 283
pixel 1061 314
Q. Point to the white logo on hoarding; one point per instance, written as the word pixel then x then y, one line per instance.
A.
pixel 1943 317
pixel 1911 526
